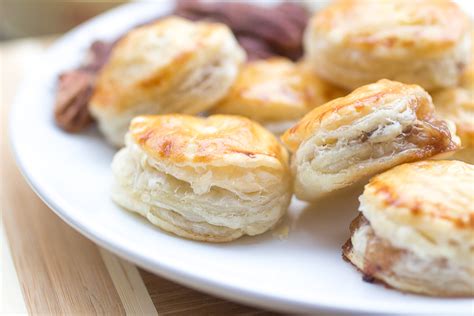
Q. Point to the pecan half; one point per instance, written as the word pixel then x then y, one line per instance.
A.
pixel 280 28
pixel 74 91
pixel 255 48
pixel 97 56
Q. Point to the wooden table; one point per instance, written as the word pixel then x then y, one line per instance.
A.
pixel 49 268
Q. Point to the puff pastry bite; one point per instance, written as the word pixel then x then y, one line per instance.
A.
pixel 375 127
pixel 457 104
pixel 173 65
pixel 356 42
pixel 276 93
pixel 211 179
pixel 415 231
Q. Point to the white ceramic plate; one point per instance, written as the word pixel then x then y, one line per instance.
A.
pixel 301 273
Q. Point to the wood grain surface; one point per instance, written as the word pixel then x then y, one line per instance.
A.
pixel 60 271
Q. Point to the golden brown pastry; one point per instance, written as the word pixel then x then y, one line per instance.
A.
pixel 211 179
pixel 356 42
pixel 276 93
pixel 374 128
pixel 416 229
pixel 457 104
pixel 172 65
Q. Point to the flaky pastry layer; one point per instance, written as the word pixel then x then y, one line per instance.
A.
pixel 403 268
pixel 276 90
pixel 198 201
pixel 376 127
pixel 354 42
pixel 426 207
pixel 170 66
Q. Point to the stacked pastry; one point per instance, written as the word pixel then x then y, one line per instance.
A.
pixel 415 229
pixel 221 177
pixel 211 179
pixel 357 42
pixel 170 66
pixel 376 127
pixel 276 93
pixel 457 104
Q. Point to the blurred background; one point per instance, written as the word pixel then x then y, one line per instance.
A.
pixel 29 18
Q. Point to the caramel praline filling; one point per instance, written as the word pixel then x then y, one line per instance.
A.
pixel 432 135
pixel 379 255
pixel 404 132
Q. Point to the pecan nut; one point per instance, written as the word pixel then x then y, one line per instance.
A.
pixel 74 91
pixel 279 28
